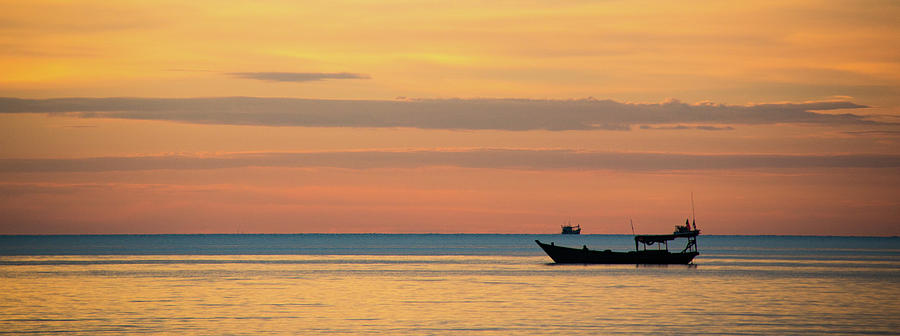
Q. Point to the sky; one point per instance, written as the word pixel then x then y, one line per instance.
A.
pixel 771 117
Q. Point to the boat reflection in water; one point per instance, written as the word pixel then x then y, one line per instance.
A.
pixel 640 255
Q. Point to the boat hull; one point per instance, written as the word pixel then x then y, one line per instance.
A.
pixel 568 255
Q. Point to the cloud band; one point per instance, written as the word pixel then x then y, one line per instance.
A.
pixel 296 76
pixel 469 114
pixel 479 158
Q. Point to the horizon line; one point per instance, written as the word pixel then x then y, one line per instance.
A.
pixel 412 233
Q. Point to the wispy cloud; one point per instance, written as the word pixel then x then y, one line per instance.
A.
pixel 471 114
pixel 59 51
pixel 296 76
pixel 684 127
pixel 881 133
pixel 477 158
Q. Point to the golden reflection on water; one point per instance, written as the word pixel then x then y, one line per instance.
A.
pixel 415 295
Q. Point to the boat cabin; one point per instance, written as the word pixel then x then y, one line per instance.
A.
pixel 571 229
pixel 662 241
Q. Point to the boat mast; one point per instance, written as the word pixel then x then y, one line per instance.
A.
pixel 693 214
pixel 632 233
pixel 692 241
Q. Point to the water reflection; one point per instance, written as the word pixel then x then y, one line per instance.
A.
pixel 666 266
pixel 414 295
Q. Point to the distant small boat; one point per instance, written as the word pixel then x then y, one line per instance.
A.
pixel 661 255
pixel 568 228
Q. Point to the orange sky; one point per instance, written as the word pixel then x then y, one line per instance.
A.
pixel 509 117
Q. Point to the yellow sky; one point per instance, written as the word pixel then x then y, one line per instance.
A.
pixel 728 52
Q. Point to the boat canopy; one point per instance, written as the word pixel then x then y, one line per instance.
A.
pixel 652 239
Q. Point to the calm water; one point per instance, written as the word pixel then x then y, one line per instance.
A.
pixel 441 284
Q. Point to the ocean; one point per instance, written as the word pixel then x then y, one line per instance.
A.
pixel 435 284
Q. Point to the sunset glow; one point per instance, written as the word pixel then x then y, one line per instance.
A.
pixel 781 117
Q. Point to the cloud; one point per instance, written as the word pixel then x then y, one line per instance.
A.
pixel 73 18
pixel 879 133
pixel 188 70
pixel 683 127
pixel 59 51
pixel 296 76
pixel 476 158
pixel 469 114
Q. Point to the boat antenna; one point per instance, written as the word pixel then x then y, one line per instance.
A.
pixel 632 226
pixel 693 214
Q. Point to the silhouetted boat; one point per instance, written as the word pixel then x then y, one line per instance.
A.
pixel 568 228
pixel 661 255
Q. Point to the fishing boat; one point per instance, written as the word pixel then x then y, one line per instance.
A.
pixel 568 228
pixel 641 254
